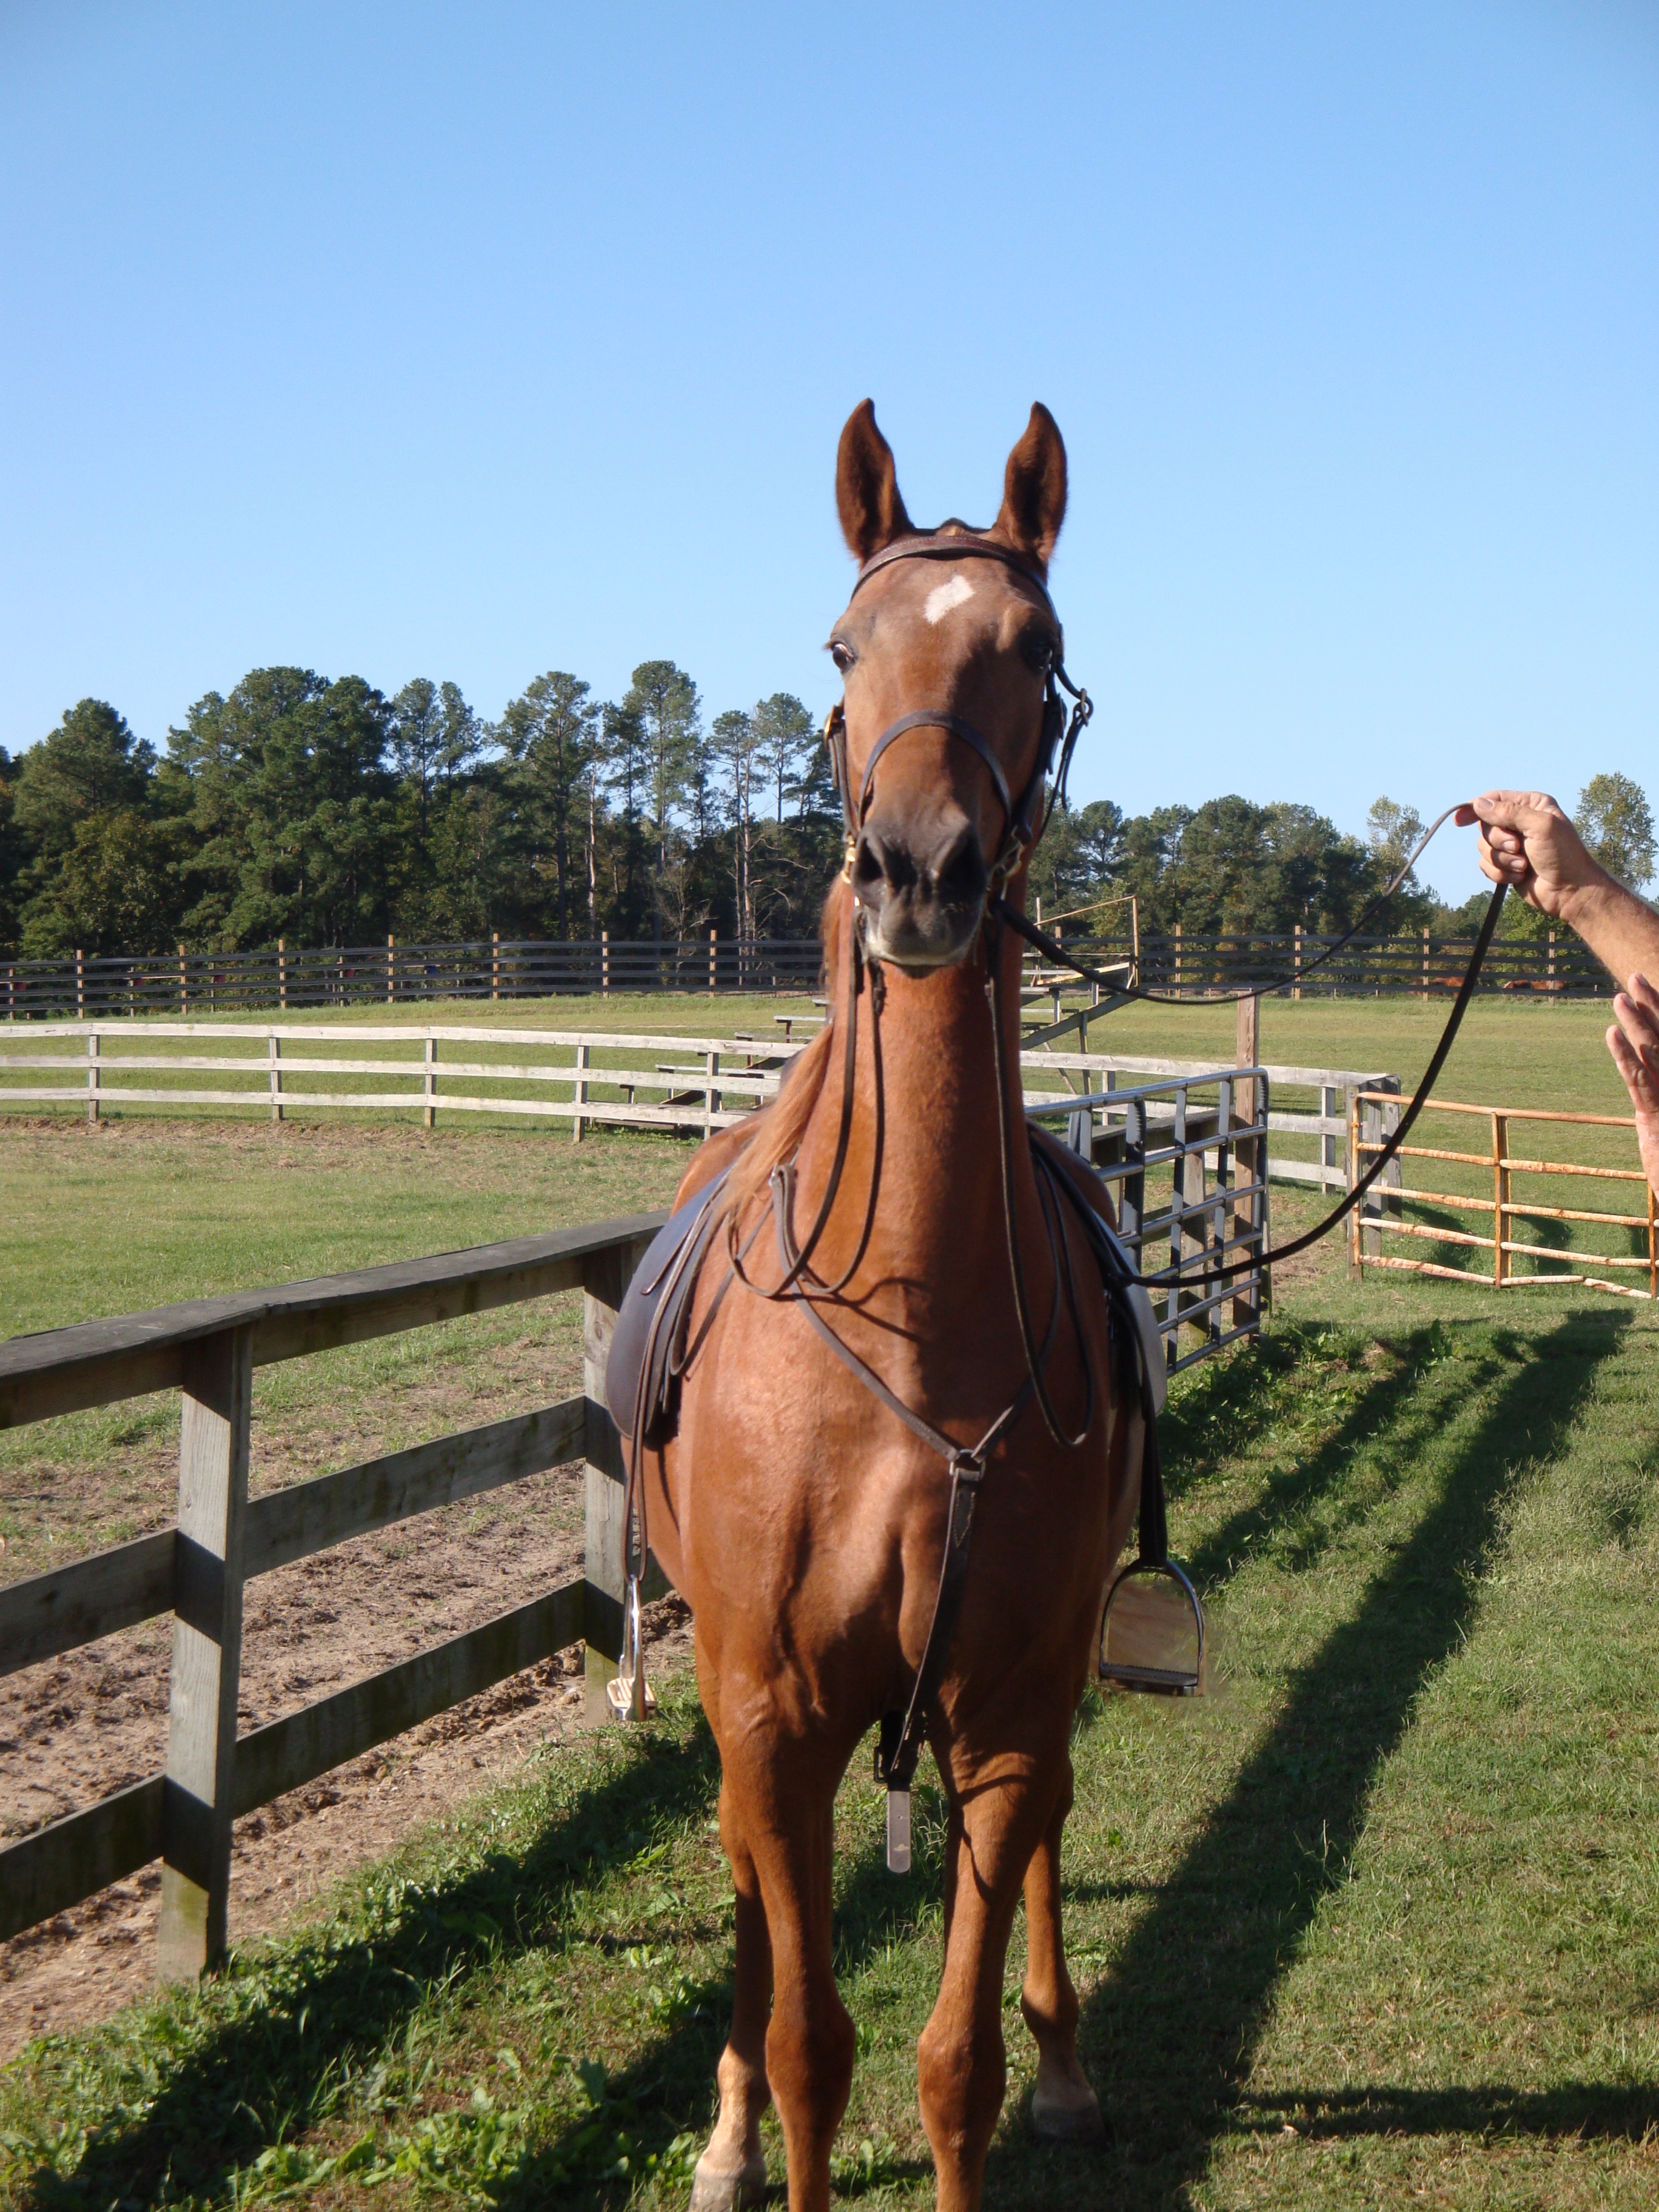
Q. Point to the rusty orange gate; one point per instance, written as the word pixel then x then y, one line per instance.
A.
pixel 1374 1113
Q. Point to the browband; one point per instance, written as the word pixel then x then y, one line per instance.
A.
pixel 971 546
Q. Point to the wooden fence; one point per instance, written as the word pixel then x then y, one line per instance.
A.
pixel 689 1083
pixel 208 1349
pixel 1374 1113
pixel 83 985
pixel 690 1090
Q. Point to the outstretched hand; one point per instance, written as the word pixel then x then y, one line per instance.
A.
pixel 1634 1043
pixel 1528 843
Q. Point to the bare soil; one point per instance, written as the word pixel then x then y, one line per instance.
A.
pixel 80 1727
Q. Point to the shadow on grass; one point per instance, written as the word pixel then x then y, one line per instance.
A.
pixel 1606 2111
pixel 262 2073
pixel 1171 2036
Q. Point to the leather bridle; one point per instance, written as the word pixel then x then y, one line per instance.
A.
pixel 1058 738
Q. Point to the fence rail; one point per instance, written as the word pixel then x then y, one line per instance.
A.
pixel 1384 1216
pixel 183 981
pixel 689 1083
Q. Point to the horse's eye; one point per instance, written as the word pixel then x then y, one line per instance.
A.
pixel 841 653
pixel 1037 649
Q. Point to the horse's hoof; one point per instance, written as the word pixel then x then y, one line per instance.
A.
pixel 714 2192
pixel 1076 2119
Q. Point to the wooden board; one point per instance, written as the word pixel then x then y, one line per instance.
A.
pixel 64 1370
pixel 44 1614
pixel 288 1753
pixel 75 1857
pixel 309 1516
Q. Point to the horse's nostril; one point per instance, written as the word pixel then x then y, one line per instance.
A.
pixel 960 874
pixel 869 863
pixel 881 866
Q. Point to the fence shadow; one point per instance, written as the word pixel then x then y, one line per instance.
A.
pixel 1602 2111
pixel 1171 2036
pixel 329 2012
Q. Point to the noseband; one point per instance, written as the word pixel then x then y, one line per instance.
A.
pixel 1058 735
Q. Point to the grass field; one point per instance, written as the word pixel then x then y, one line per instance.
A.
pixel 1377 1925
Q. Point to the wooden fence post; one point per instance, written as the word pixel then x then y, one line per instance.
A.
pixel 184 984
pixel 1177 959
pixel 1355 1168
pixel 1329 1110
pixel 1295 988
pixel 1500 1198
pixel 391 971
pixel 207 1650
pixel 711 1097
pixel 1425 967
pixel 494 963
pixel 1246 1302
pixel 604 963
pixel 576 1119
pixel 80 985
pixel 282 973
pixel 713 935
pixel 429 1085
pixel 276 1043
pixel 92 1080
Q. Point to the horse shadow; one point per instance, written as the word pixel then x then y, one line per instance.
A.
pixel 1172 2033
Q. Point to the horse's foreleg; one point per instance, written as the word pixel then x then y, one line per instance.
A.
pixel 962 2070
pixel 731 2171
pixel 1063 2105
pixel 810 2043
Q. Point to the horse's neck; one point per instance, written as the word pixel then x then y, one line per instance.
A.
pixel 940 1196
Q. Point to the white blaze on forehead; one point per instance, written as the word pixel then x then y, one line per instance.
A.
pixel 943 597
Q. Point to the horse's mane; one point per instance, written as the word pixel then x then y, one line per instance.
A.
pixel 777 1129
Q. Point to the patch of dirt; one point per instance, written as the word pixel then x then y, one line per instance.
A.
pixel 80 1727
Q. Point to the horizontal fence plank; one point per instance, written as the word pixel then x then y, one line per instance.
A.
pixel 308 1517
pixel 65 1370
pixel 288 1753
pixel 44 1614
pixel 45 1874
pixel 751 1083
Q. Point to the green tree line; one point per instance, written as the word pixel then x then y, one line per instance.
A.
pixel 324 813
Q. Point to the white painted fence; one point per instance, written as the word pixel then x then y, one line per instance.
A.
pixel 584 1077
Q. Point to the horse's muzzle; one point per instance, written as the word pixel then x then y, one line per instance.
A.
pixel 921 885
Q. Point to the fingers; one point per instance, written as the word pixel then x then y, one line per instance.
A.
pixel 1634 1042
pixel 1640 1072
pixel 1514 810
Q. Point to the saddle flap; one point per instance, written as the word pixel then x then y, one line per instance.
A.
pixel 653 1309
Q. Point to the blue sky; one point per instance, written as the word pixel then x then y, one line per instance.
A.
pixel 473 342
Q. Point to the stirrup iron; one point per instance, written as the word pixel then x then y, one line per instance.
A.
pixel 1152 1635
pixel 630 1697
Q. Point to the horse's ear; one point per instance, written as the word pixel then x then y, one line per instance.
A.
pixel 1034 489
pixel 866 486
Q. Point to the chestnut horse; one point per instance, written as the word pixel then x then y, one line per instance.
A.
pixel 801 1517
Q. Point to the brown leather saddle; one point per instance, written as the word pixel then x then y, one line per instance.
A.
pixel 648 1347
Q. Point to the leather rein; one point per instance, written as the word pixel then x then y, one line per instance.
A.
pixel 902 1735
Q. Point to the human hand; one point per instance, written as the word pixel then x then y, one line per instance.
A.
pixel 1634 1043
pixel 1528 842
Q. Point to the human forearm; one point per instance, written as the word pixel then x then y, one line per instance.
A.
pixel 1620 929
